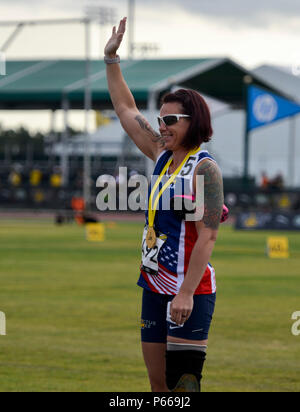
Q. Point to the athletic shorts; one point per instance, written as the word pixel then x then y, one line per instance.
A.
pixel 156 328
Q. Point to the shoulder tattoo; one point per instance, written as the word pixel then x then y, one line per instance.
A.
pixel 213 193
pixel 145 125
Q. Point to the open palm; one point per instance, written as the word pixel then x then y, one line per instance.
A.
pixel 116 39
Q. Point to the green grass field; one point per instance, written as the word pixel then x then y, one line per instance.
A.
pixel 73 311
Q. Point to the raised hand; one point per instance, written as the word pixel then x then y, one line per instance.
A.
pixel 116 39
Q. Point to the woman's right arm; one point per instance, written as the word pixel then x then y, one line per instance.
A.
pixel 136 126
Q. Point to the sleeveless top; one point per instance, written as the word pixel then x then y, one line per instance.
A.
pixel 173 256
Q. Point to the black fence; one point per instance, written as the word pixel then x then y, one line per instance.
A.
pixel 40 186
pixel 263 200
pixel 268 221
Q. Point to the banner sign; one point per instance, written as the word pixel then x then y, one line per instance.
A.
pixel 267 221
pixel 95 232
pixel 278 247
pixel 265 108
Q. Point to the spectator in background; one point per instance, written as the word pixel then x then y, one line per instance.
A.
pixel 15 176
pixel 56 178
pixel 35 177
pixel 264 183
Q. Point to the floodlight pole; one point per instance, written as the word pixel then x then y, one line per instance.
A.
pixel 12 37
pixel 131 15
pixel 19 24
pixel 8 23
pixel 151 107
pixel 247 80
pixel 87 109
pixel 292 151
pixel 64 160
pixel 106 15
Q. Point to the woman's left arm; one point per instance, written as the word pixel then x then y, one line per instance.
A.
pixel 207 228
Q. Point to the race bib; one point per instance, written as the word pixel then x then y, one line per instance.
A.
pixel 150 256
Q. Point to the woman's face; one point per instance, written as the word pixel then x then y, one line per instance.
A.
pixel 175 134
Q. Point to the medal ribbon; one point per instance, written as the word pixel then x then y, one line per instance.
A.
pixel 152 211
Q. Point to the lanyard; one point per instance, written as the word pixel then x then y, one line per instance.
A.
pixel 152 210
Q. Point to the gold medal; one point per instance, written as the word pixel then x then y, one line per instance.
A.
pixel 151 237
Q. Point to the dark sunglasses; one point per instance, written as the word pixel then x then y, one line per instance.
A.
pixel 170 119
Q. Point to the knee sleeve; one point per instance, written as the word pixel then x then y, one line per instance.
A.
pixel 184 369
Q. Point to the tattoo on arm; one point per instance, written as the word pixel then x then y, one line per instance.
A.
pixel 144 125
pixel 213 193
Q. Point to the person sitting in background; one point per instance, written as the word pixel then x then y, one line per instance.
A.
pixel 80 216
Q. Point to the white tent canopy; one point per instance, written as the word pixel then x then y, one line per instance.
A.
pixel 274 149
pixel 109 140
pixel 281 77
pixel 106 141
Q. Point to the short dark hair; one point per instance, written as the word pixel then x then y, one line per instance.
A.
pixel 200 130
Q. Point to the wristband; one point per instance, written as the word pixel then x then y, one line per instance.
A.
pixel 114 60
